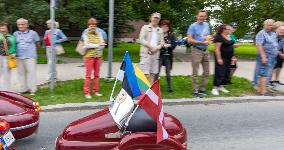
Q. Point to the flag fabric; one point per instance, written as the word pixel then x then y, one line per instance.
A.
pixel 142 80
pixel 151 102
pixel 127 75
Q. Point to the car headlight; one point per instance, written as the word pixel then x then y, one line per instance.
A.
pixel 37 106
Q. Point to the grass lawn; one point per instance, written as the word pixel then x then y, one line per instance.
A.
pixel 72 91
pixel 246 50
pixel 118 52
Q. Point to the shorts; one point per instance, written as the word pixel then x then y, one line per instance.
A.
pixel 279 62
pixel 149 64
pixel 265 70
pixel 233 66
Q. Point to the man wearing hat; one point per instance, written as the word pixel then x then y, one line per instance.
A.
pixel 152 40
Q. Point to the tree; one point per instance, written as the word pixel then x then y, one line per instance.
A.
pixel 181 13
pixel 249 14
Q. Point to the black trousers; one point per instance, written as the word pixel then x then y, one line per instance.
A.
pixel 166 60
pixel 222 72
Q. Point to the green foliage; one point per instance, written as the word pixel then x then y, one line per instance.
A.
pixel 181 13
pixel 249 14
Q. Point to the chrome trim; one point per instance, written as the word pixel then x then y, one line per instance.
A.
pixel 24 127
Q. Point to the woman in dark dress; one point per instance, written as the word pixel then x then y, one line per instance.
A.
pixel 166 53
pixel 224 51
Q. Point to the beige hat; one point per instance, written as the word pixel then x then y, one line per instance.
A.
pixel 280 30
pixel 157 15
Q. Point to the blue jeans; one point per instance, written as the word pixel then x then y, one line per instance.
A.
pixel 264 70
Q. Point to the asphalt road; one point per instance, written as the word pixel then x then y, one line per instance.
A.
pixel 240 126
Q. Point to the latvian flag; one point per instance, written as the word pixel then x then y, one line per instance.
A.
pixel 151 102
pixel 127 75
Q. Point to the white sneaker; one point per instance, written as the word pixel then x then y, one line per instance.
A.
pixel 215 92
pixel 224 90
pixel 88 96
pixel 98 94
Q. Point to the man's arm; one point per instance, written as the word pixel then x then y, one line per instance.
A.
pixel 37 40
pixel 260 40
pixel 194 42
pixel 142 40
pixel 260 50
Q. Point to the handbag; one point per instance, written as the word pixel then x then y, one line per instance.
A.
pixel 59 49
pixel 79 48
pixel 12 62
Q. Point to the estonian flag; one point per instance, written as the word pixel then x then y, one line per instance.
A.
pixel 127 75
pixel 123 103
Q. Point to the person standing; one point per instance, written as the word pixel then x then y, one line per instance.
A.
pixel 267 51
pixel 60 37
pixel 7 49
pixel 152 40
pixel 166 53
pixel 27 43
pixel 94 45
pixel 224 51
pixel 233 66
pixel 199 35
pixel 279 60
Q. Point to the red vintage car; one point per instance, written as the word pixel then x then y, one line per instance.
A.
pixel 6 137
pixel 20 112
pixel 121 127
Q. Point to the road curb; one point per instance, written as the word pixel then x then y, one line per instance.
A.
pixel 167 102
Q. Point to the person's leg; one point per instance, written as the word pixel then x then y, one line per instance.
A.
pixel 257 71
pixel 22 76
pixel 262 85
pixel 88 70
pixel 271 62
pixel 205 65
pixel 49 62
pixel 277 73
pixel 152 78
pixel 196 57
pixel 168 74
pixel 30 65
pixel 96 83
pixel 144 66
pixel 153 68
pixel 227 77
pixel 218 77
pixel 4 74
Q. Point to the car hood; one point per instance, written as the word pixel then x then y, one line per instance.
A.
pixel 91 128
pixel 10 107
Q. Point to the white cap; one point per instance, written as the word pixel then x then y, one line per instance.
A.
pixel 157 15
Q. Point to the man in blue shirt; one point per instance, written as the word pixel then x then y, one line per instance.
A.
pixel 27 43
pixel 199 36
pixel 267 50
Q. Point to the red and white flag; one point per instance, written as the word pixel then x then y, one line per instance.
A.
pixel 151 102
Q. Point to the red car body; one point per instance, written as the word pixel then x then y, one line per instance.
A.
pixel 20 112
pixel 99 131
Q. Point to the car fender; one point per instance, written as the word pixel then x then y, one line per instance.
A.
pixel 147 140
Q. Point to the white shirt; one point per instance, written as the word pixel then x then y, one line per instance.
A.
pixel 154 37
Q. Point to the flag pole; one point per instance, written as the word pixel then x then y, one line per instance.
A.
pixel 111 95
pixel 53 56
